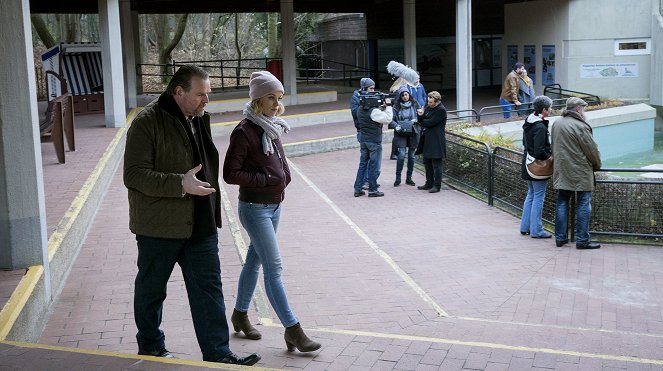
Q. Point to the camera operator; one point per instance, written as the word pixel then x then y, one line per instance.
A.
pixel 367 85
pixel 373 113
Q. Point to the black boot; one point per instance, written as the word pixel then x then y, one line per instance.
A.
pixel 241 322
pixel 296 338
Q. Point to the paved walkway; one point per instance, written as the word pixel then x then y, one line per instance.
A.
pixel 408 281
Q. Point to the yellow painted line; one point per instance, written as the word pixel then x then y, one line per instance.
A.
pixel 543 325
pixel 175 361
pixel 400 272
pixel 319 140
pixel 489 345
pixel 260 298
pixel 286 117
pixel 247 98
pixel 23 291
pixel 19 298
pixel 55 241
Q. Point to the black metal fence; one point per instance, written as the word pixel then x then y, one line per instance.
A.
pixel 623 208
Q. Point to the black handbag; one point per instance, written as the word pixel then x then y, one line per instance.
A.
pixel 407 128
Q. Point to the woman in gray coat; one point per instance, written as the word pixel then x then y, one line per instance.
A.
pixel 433 145
pixel 405 133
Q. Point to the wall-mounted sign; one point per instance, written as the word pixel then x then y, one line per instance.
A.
pixel 548 64
pixel 511 55
pixel 529 60
pixel 607 70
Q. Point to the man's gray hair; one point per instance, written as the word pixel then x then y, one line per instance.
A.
pixel 540 103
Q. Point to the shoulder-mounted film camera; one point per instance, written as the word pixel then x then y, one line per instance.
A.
pixel 373 99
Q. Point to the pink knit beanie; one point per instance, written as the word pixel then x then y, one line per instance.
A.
pixel 263 83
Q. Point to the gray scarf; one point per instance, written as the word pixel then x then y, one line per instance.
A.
pixel 273 127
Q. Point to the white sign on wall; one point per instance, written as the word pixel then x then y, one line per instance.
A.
pixel 606 70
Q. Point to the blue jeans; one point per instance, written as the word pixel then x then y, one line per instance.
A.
pixel 365 174
pixel 533 208
pixel 260 222
pixel 199 260
pixel 583 210
pixel 371 159
pixel 506 107
pixel 401 160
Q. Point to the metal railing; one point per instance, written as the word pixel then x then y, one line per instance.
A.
pixel 622 208
pixel 235 73
pixel 555 91
pixel 223 73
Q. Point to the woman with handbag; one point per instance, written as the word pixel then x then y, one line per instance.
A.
pixel 405 133
pixel 536 145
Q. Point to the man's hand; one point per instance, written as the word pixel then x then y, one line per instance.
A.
pixel 193 186
pixel 517 103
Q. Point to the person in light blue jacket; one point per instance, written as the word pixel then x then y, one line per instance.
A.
pixel 417 92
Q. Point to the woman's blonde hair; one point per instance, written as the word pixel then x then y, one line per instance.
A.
pixel 397 84
pixel 435 95
pixel 257 107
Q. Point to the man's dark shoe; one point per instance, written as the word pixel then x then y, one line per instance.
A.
pixel 588 246
pixel 561 243
pixel 397 182
pixel 544 235
pixel 360 193
pixel 424 187
pixel 409 182
pixel 434 190
pixel 163 353
pixel 234 359
pixel 524 233
pixel 375 194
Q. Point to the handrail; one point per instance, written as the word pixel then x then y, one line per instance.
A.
pixel 472 114
pixel 591 99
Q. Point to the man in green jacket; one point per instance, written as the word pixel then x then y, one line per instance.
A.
pixel 576 158
pixel 171 170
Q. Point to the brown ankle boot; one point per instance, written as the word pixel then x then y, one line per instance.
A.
pixel 296 338
pixel 241 322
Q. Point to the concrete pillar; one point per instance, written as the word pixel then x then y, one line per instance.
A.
pixel 23 238
pixel 111 60
pixel 129 23
pixel 288 49
pixel 410 33
pixel 463 54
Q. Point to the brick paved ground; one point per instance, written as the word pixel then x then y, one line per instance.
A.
pixel 369 279
pixel 512 302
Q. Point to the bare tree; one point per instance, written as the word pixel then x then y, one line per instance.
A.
pixel 42 31
pixel 165 43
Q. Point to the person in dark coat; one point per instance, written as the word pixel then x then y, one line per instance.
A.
pixel 405 140
pixel 367 85
pixel 433 145
pixel 536 143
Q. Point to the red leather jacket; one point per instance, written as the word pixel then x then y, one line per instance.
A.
pixel 261 178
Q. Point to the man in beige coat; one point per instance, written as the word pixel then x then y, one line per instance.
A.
pixel 576 158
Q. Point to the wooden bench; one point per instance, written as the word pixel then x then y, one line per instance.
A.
pixel 58 124
pixel 59 120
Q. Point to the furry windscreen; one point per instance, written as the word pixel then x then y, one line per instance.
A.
pixel 401 70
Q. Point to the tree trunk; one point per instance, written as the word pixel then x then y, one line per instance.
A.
pixel 239 50
pixel 42 31
pixel 272 35
pixel 166 47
